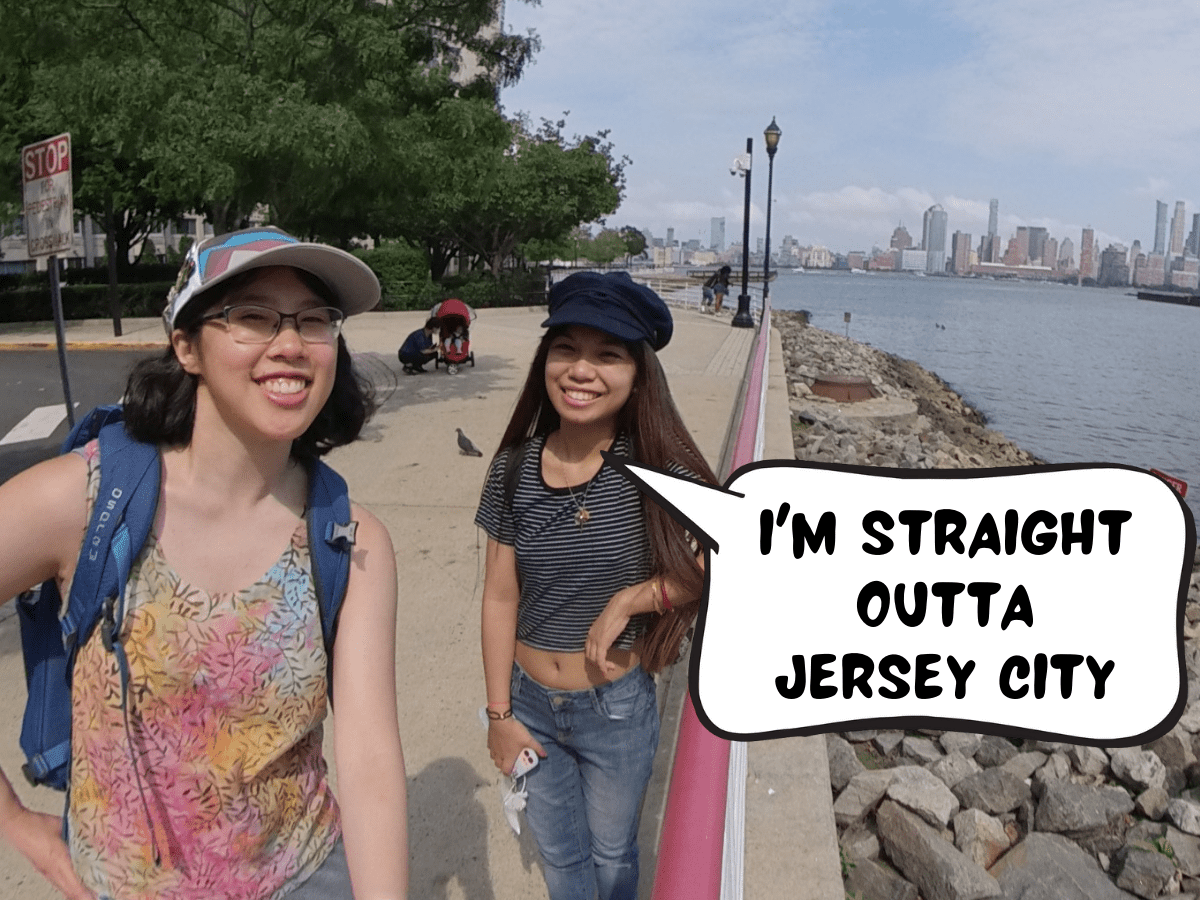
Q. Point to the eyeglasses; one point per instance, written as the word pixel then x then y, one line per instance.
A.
pixel 260 324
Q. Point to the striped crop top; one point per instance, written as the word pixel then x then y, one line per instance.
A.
pixel 568 573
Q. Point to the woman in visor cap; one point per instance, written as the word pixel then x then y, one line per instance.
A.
pixel 212 782
pixel 589 587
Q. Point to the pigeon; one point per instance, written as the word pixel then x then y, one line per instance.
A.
pixel 465 446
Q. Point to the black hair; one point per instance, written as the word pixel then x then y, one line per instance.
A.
pixel 160 397
pixel 658 438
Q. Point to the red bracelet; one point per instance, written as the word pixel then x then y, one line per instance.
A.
pixel 666 601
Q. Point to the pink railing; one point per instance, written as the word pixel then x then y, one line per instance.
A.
pixel 693 830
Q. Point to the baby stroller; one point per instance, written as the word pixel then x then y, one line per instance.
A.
pixel 454 340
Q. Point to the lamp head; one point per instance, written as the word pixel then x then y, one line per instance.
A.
pixel 771 135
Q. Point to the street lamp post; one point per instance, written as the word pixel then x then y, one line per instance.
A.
pixel 743 319
pixel 771 136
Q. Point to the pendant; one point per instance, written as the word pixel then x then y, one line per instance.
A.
pixel 582 517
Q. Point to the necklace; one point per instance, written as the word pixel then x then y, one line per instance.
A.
pixel 582 516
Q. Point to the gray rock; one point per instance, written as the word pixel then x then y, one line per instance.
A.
pixel 887 741
pixel 994 751
pixel 924 793
pixel 1096 818
pixel 1025 764
pixel 1151 803
pixel 1139 769
pixel 1057 768
pixel 961 742
pixel 921 749
pixel 857 737
pixel 1142 870
pixel 1174 749
pixel 980 836
pixel 1184 815
pixel 940 871
pixel 992 790
pixel 843 762
pixel 954 767
pixel 1050 867
pixel 869 879
pixel 1088 760
pixel 859 841
pixel 1066 807
pixel 1187 851
pixel 860 795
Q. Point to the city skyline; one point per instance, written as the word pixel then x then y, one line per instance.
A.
pixel 1066 112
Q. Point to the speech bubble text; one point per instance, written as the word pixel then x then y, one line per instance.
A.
pixel 1043 602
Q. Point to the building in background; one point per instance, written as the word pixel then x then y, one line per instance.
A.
pixel 716 229
pixel 1066 255
pixel 901 239
pixel 960 253
pixel 1177 228
pixel 1160 228
pixel 1192 245
pixel 1114 266
pixel 1087 256
pixel 1150 270
pixel 933 239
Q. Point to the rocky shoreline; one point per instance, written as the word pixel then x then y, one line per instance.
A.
pixel 936 815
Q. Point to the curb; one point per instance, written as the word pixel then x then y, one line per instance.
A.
pixel 83 345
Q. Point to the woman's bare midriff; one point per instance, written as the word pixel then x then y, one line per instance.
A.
pixel 571 671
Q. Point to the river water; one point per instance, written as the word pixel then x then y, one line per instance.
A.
pixel 1071 374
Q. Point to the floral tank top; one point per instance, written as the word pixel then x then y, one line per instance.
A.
pixel 219 770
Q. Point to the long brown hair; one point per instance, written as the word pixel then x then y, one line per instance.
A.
pixel 658 438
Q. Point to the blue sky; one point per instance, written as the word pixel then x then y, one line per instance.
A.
pixel 1072 113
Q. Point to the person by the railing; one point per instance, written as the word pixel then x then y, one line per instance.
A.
pixel 589 588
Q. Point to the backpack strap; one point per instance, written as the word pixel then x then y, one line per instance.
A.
pixel 331 534
pixel 121 521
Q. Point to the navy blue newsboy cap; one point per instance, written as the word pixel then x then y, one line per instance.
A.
pixel 613 303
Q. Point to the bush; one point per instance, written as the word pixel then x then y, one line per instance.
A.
pixel 403 275
pixel 82 301
pixel 512 288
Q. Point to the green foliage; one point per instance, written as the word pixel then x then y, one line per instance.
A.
pixel 403 275
pixel 1163 846
pixel 847 863
pixel 606 247
pixel 81 301
pixel 635 241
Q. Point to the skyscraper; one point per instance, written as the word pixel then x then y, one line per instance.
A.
pixel 993 217
pixel 717 234
pixel 1087 254
pixel 933 239
pixel 960 253
pixel 1160 228
pixel 1177 227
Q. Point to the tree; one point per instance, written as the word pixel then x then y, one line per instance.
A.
pixel 283 105
pixel 605 247
pixel 540 187
pixel 635 242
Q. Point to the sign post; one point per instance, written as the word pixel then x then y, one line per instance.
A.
pixel 50 225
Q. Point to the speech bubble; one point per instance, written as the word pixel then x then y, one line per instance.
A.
pixel 1040 602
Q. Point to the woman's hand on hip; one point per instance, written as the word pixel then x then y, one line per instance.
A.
pixel 506 739
pixel 610 623
pixel 38 837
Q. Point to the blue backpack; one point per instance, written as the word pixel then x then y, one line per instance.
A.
pixel 121 522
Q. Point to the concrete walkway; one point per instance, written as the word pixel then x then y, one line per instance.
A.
pixel 408 471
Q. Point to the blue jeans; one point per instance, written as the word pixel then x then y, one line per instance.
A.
pixel 586 796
